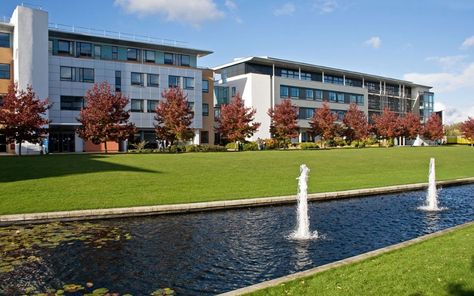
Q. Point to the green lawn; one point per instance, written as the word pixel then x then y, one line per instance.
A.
pixel 86 181
pixel 439 266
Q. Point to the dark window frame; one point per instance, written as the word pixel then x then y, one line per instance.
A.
pixel 5 40
pixel 70 46
pixel 140 82
pixel 141 110
pixel 5 73
pixel 168 58
pixel 205 110
pixel 149 82
pixel 205 89
pixel 67 103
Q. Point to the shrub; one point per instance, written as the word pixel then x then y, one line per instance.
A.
pixel 230 145
pixel 205 148
pixel 271 144
pixel 250 146
pixel 308 145
pixel 338 141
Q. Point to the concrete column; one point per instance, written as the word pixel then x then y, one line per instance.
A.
pixel 78 143
pixel 381 87
pixel 300 136
pixel 322 77
pixel 299 73
pixel 344 79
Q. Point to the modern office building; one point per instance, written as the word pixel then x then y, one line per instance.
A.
pixel 62 63
pixel 264 81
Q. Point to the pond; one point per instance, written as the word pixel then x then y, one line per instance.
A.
pixel 213 252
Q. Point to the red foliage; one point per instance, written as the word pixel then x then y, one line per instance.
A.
pixel 104 117
pixel 410 126
pixel 323 123
pixel 467 129
pixel 174 117
pixel 357 127
pixel 284 121
pixel 433 129
pixel 235 121
pixel 22 116
pixel 386 125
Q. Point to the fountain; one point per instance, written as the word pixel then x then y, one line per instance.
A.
pixel 431 195
pixel 302 228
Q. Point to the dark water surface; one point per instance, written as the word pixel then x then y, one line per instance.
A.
pixel 213 252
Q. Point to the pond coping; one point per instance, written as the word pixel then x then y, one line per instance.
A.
pixel 94 214
pixel 343 262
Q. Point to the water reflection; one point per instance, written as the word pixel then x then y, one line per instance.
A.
pixel 431 221
pixel 302 258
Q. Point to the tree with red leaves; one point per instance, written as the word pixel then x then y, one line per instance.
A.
pixel 174 117
pixel 467 129
pixel 22 116
pixel 433 129
pixel 104 117
pixel 386 125
pixel 284 122
pixel 357 127
pixel 323 124
pixel 236 121
pixel 410 126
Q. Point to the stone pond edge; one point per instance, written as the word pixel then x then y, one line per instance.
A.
pixel 93 214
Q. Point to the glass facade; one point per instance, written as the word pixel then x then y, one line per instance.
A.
pixel 426 105
pixel 221 96
pixel 300 93
pixel 77 74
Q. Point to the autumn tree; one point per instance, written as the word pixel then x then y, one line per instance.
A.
pixel 104 117
pixel 386 125
pixel 323 124
pixel 467 129
pixel 174 117
pixel 433 129
pixel 236 121
pixel 356 125
pixel 410 126
pixel 23 116
pixel 284 122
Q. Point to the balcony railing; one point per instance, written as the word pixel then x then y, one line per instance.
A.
pixel 116 35
pixel 4 19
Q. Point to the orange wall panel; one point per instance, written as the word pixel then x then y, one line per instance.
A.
pixel 91 147
pixel 6 57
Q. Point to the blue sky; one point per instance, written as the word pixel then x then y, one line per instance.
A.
pixel 425 41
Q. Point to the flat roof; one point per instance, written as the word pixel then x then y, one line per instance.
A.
pixel 311 67
pixel 127 42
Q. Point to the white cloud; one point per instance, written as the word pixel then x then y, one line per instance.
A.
pixel 374 42
pixel 453 114
pixel 468 43
pixel 325 6
pixel 445 81
pixel 230 4
pixel 287 9
pixel 448 62
pixel 194 12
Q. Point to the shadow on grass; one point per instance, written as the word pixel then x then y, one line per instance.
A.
pixel 459 290
pixel 36 167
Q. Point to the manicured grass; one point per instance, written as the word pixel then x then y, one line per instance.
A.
pixel 439 266
pixel 68 182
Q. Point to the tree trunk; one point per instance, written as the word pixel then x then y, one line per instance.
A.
pixel 105 147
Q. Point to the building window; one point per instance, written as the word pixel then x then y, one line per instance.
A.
pixel 294 92
pixel 136 105
pixel 309 94
pixel 97 51
pixel 118 81
pixel 83 49
pixel 318 95
pixel 114 53
pixel 87 75
pixel 137 79
pixel 153 80
pixel 5 40
pixel 233 91
pixel 333 79
pixel 188 83
pixel 284 91
pixel 173 81
pixel 191 106
pixel 151 105
pixel 305 113
pixel 72 103
pixel 205 86
pixel 65 47
pixel 66 74
pixel 290 74
pixel 204 137
pixel 133 54
pixel 305 76
pixel 205 109
pixel 185 60
pixel 149 56
pixel 340 97
pixel 332 96
pixel 4 71
pixel 168 58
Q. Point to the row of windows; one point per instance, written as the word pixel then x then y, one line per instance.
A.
pixel 77 74
pixel 292 74
pixel 333 79
pixel 320 95
pixel 76 103
pixel 86 49
pixel 4 71
pixel 308 113
pixel 5 40
pixel 152 80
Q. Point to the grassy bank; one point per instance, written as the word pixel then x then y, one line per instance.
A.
pixel 439 266
pixel 68 182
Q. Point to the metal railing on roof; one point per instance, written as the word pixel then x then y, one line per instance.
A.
pixel 4 19
pixel 116 35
